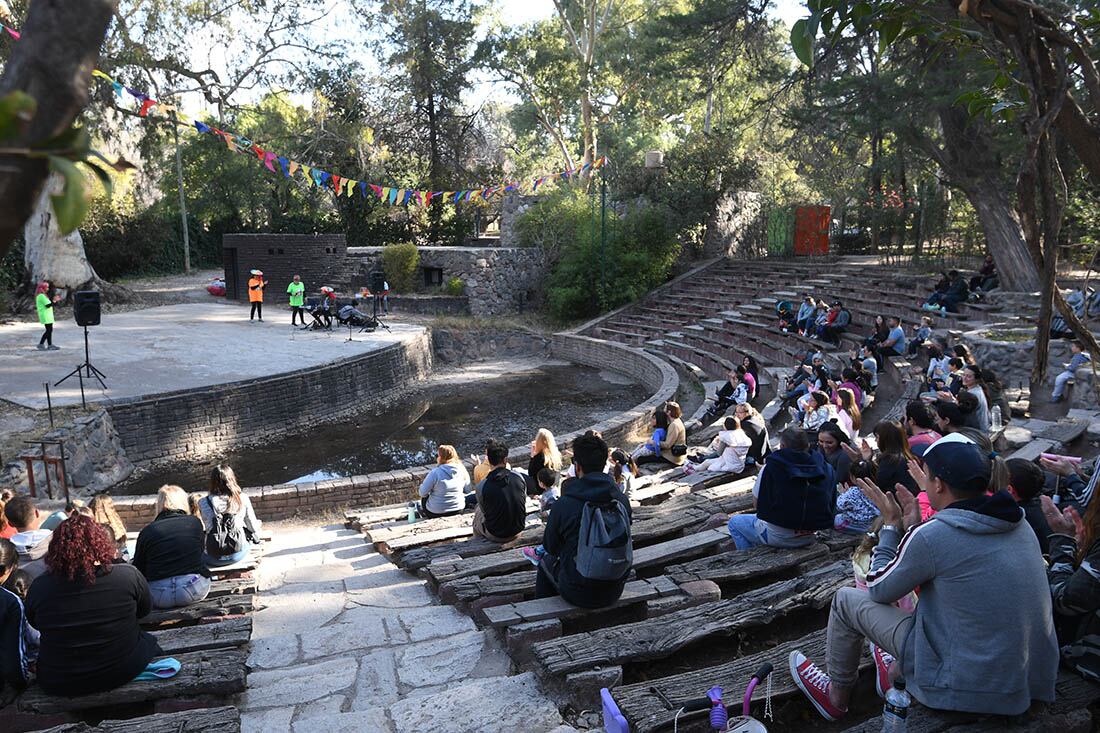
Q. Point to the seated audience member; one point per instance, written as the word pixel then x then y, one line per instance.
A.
pixel 748 376
pixel 880 331
pixel 865 361
pixel 169 553
pixel 224 504
pixel 30 541
pixel 7 530
pixel 849 380
pixel 892 457
pixel 1071 486
pixel 87 610
pixel 784 311
pixel 1074 556
pixel 855 513
pixel 894 345
pixel 972 555
pixel 920 424
pixel 752 422
pixel 841 319
pixel 443 490
pixel 800 381
pixel 653 445
pixel 986 279
pixel 921 333
pixel 1025 484
pixel 501 499
pixel 804 318
pixel 848 414
pixel 795 496
pixel 193 509
pixel 105 514
pixel 973 381
pixel 734 445
pixel 818 412
pixel 948 299
pixel 589 582
pixel 938 372
pixel 19 582
pixel 548 482
pixel 544 454
pixel 18 639
pixel 831 440
pixel 821 319
pixel 71 506
pixel 733 392
pixel 624 470
pixel 674 446
pixel 1079 359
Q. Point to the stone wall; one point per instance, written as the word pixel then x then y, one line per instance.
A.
pixel 735 216
pixel 200 422
pixel 279 502
pixel 512 207
pixel 461 346
pixel 94 458
pixel 497 280
pixel 321 259
pixel 1011 361
pixel 433 305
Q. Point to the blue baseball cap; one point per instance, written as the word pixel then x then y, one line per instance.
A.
pixel 959 462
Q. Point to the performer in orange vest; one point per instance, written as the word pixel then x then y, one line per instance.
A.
pixel 256 287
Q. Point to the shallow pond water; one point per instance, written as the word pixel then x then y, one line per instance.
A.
pixel 512 407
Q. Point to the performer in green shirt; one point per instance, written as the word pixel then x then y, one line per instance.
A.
pixel 44 305
pixel 297 292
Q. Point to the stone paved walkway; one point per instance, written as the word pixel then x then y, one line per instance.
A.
pixel 345 641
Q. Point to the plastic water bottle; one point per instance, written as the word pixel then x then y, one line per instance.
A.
pixel 896 709
pixel 412 512
pixel 995 423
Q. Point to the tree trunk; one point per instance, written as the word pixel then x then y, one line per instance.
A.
pixel 587 122
pixel 971 164
pixel 52 62
pixel 49 255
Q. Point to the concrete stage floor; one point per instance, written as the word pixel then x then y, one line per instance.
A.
pixel 172 347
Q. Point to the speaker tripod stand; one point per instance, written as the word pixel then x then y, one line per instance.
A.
pixel 84 371
pixel 374 313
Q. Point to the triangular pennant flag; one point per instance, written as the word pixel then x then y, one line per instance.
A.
pixel 324 178
pixel 12 32
pixel 376 189
pixel 228 141
pixel 118 87
pixel 393 195
pixel 292 169
pixel 100 74
pixel 447 194
pixel 285 165
pixel 405 198
pixel 362 189
pixel 337 184
pixel 308 173
pixel 136 94
pixel 349 187
pixel 316 176
pixel 258 151
pixel 146 105
pixel 385 194
pixel 269 161
pixel 201 127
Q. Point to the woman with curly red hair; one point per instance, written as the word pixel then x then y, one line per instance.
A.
pixel 87 610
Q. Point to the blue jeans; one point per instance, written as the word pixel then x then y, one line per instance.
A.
pixel 217 562
pixel 179 590
pixel 747 531
pixel 1060 383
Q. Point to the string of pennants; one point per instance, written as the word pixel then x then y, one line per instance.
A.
pixel 339 185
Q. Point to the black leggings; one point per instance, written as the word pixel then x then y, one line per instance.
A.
pixel 257 310
pixel 430 514
pixel 295 312
pixel 652 458
pixel 47 338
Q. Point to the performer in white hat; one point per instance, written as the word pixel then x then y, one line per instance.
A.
pixel 256 287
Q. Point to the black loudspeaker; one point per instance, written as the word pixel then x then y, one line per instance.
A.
pixel 86 307
pixel 377 282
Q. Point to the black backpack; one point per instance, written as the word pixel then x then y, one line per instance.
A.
pixel 223 537
pixel 604 547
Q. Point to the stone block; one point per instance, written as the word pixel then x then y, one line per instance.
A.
pixel 440 661
pixel 520 637
pixel 372 719
pixel 694 593
pixel 376 683
pixel 583 688
pixel 478 604
pixel 477 706
pixel 282 687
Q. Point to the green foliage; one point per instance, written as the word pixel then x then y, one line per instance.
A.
pixel 402 264
pixel 455 287
pixel 589 276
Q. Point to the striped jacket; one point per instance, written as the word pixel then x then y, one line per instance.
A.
pixel 1075 588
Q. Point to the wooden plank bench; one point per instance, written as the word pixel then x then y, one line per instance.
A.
pixel 413 540
pixel 219 672
pixel 232 587
pixel 1033 449
pixel 206 720
pixel 232 632
pixel 557 607
pixel 1065 431
pixel 643 703
pixel 739 565
pixel 385 531
pixel 362 517
pixel 663 636
pixel 420 557
pixel 205 611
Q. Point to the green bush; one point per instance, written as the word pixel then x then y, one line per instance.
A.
pixel 401 262
pixel 589 276
pixel 455 286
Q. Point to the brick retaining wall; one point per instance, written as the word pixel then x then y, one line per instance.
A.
pixel 377 489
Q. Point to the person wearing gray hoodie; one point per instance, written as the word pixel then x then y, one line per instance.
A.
pixel 964 648
pixel 31 543
pixel 443 491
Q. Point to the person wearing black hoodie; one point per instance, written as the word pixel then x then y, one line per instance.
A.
pixel 501 499
pixel 557 573
pixel 795 496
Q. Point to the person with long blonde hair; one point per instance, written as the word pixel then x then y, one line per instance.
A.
pixel 169 552
pixel 225 497
pixel 848 413
pixel 544 454
pixel 443 491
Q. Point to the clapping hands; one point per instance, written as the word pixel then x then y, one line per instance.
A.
pixel 899 509
pixel 1067 521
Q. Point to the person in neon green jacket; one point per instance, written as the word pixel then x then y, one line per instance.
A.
pixel 44 305
pixel 297 292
